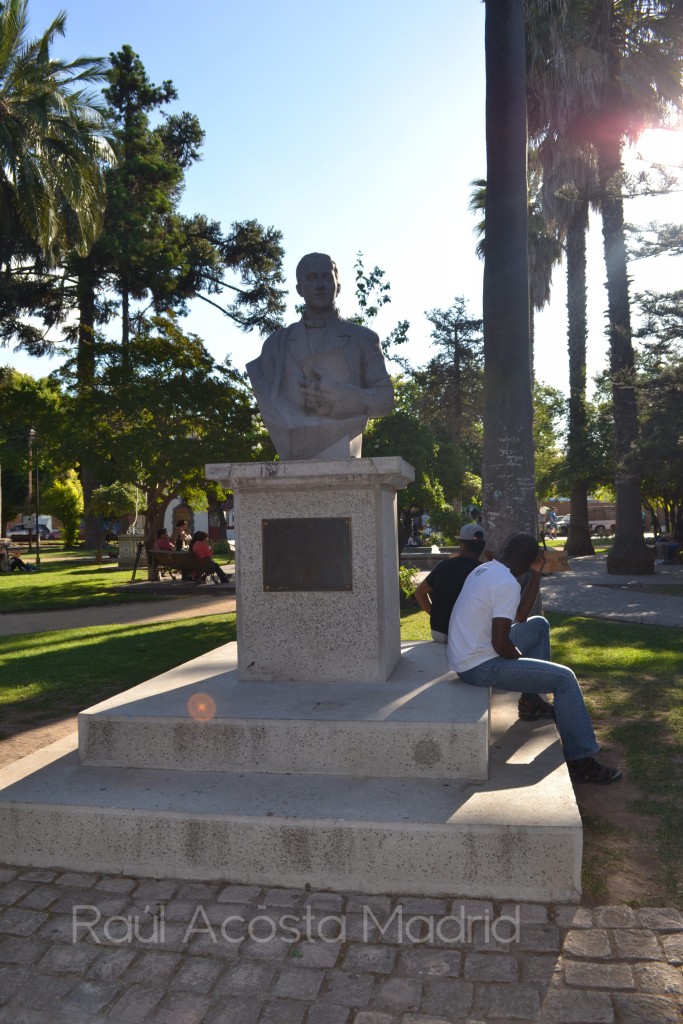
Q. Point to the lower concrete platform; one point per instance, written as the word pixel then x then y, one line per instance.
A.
pixel 516 835
pixel 421 723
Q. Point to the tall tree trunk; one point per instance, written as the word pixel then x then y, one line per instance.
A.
pixel 125 321
pixel 86 293
pixel 629 553
pixel 578 537
pixel 508 458
pixel 155 509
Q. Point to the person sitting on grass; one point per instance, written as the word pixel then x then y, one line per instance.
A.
pixel 20 565
pixel 201 548
pixel 481 651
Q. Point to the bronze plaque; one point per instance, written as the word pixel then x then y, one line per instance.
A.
pixel 307 554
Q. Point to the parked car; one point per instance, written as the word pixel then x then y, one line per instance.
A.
pixel 563 526
pixel 598 527
pixel 21 532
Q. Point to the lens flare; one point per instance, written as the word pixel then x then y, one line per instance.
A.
pixel 202 707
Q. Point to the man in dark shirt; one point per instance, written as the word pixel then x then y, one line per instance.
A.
pixel 438 592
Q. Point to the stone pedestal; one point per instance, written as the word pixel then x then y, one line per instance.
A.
pixel 316 567
pixel 380 788
pixel 128 549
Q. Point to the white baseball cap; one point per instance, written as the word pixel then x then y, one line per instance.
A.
pixel 472 531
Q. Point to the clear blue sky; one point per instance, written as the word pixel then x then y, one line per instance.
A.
pixel 348 126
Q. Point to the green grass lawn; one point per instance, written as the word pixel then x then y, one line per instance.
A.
pixel 66 581
pixel 55 674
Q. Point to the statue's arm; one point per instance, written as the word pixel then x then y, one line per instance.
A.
pixel 374 394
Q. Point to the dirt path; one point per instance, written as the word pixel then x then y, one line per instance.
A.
pixel 19 741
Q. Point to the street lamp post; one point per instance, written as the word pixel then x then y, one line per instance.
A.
pixel 37 506
pixel 32 436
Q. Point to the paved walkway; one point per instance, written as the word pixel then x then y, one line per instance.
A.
pixel 588 590
pixel 177 952
pixel 207 602
pixel 83 949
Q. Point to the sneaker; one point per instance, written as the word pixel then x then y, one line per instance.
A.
pixel 587 769
pixel 531 711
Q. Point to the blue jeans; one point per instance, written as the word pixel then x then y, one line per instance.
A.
pixel 532 640
pixel 536 676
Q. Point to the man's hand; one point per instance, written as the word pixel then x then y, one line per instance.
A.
pixel 500 639
pixel 538 563
pixel 530 592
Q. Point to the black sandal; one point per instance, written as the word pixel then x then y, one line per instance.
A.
pixel 587 769
pixel 530 711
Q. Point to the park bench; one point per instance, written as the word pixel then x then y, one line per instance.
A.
pixel 168 563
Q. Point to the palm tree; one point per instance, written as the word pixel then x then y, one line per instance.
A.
pixel 607 69
pixel 570 177
pixel 544 240
pixel 640 43
pixel 508 457
pixel 560 76
pixel 52 144
pixel 52 148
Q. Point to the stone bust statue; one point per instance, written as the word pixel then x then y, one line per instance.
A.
pixel 318 381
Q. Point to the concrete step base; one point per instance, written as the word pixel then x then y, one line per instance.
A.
pixel 515 836
pixel 421 723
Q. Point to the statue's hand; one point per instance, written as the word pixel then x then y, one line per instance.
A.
pixel 329 390
pixel 308 388
pixel 320 394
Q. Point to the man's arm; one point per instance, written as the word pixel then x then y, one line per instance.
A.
pixel 530 593
pixel 423 598
pixel 500 639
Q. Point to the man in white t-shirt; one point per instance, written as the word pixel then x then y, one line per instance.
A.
pixel 481 649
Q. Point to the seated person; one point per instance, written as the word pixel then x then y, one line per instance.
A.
pixel 669 547
pixel 481 651
pixel 180 538
pixel 202 549
pixel 18 563
pixel 437 593
pixel 163 541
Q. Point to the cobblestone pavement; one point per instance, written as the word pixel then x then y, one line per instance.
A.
pixel 81 949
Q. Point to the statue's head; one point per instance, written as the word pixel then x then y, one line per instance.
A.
pixel 317 281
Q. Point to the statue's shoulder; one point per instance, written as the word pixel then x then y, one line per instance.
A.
pixel 274 341
pixel 361 335
pixel 278 335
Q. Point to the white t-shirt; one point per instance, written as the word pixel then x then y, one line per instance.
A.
pixel 489 592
